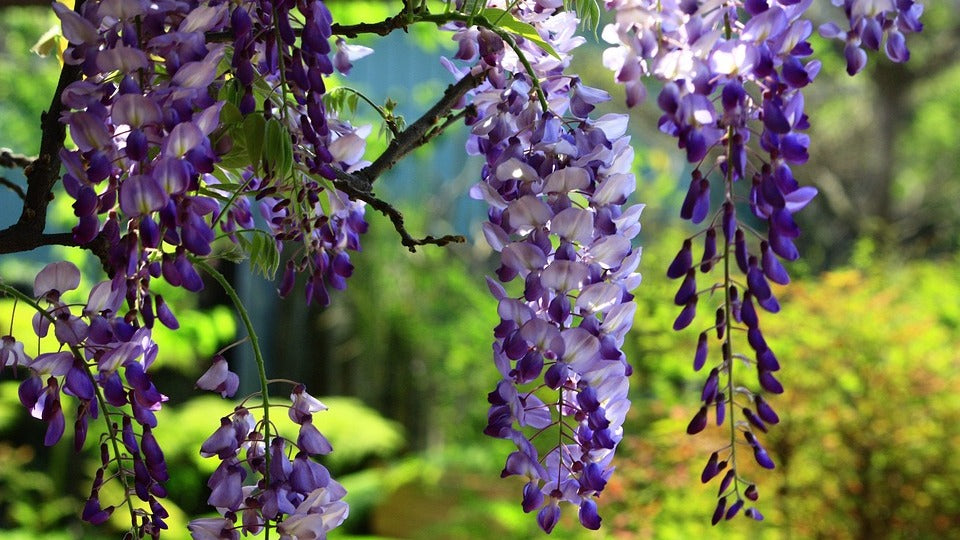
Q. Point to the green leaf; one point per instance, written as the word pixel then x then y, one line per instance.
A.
pixel 472 7
pixel 253 133
pixel 264 256
pixel 506 20
pixel 277 149
pixel 589 12
pixel 352 101
pixel 232 121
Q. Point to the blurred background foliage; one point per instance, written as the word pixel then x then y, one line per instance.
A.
pixel 869 336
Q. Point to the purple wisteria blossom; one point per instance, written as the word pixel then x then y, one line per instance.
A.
pixel 556 189
pixel 145 170
pixel 102 353
pixel 874 24
pixel 733 76
pixel 261 479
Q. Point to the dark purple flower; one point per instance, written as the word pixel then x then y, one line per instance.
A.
pixel 219 378
pixel 548 516
pixel 311 441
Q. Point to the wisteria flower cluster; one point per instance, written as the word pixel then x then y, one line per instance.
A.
pixel 556 190
pixel 158 123
pixel 258 482
pixel 187 114
pixel 120 352
pixel 734 74
pixel 149 134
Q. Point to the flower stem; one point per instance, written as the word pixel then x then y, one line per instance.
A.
pixel 258 356
pixel 727 347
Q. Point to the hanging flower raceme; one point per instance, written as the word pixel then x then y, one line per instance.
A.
pixel 158 125
pixel 102 367
pixel 733 76
pixel 556 192
pixel 150 135
pixel 265 480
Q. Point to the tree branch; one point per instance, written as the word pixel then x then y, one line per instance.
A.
pixel 345 183
pixel 12 187
pixel 359 185
pixel 42 174
pixel 12 160
pixel 419 132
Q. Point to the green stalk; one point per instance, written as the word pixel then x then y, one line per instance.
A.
pixel 258 356
pixel 102 402
pixel 727 347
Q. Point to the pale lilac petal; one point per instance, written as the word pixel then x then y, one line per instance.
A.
pixel 765 25
pixel 514 169
pixel 173 174
pixel 76 29
pixel 204 18
pixel 619 319
pixel 582 347
pixel 510 309
pixel 496 237
pixel 12 353
pixel 54 364
pixel 496 289
pixel 523 257
pixel 210 528
pixel 612 125
pixel 135 110
pixel 796 200
pixel 543 336
pixel 348 148
pixel 483 191
pixel 573 225
pixel 628 224
pixel 311 441
pixel 599 297
pixel 122 9
pixel 141 194
pixel 610 251
pixel 528 213
pixel 534 413
pixel 209 119
pixel 59 276
pixel 563 276
pixel 183 138
pixel 567 180
pixel 199 74
pixel 831 30
pixel 219 378
pixel 88 131
pixel 614 190
pixel 122 59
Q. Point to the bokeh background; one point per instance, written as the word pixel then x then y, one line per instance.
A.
pixel 869 443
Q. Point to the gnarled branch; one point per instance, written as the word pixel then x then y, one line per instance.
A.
pixel 359 185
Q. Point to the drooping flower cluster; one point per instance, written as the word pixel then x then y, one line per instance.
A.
pixel 119 387
pixel 874 24
pixel 556 189
pixel 258 481
pixel 734 73
pixel 150 134
pixel 170 146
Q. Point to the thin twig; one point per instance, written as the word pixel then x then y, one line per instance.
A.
pixel 345 182
pixel 359 185
pixel 10 159
pixel 12 186
pixel 416 134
